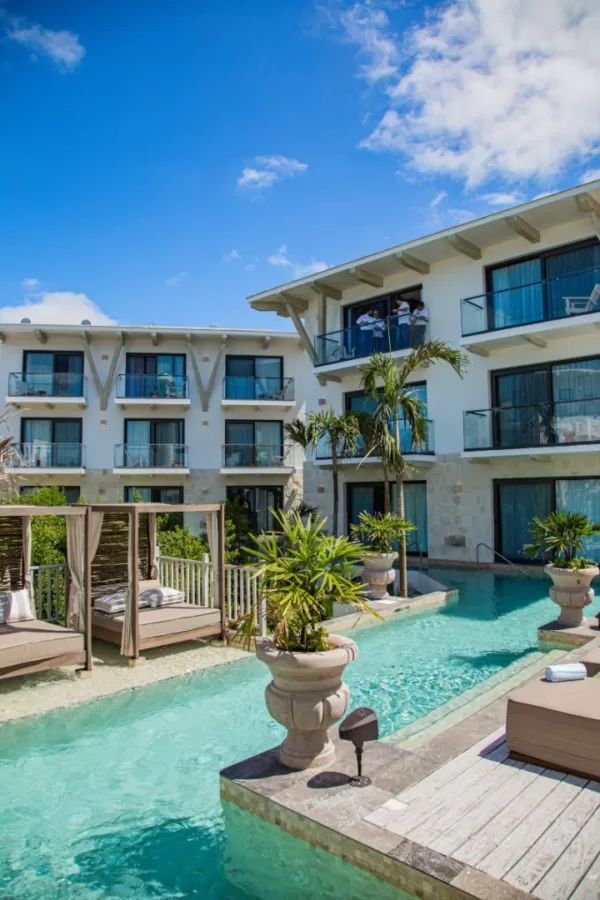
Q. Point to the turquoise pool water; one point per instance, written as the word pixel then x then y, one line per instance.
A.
pixel 118 799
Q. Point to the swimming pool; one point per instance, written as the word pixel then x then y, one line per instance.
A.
pixel 118 799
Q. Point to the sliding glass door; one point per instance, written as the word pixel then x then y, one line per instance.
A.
pixel 253 377
pixel 155 375
pixel 51 442
pixel 53 374
pixel 369 497
pixel 151 443
pixel 256 443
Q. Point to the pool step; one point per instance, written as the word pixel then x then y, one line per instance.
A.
pixel 476 698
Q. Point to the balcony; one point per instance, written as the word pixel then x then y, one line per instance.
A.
pixel 244 391
pixel 570 426
pixel 419 453
pixel 564 306
pixel 151 459
pixel 46 389
pixel 46 458
pixel 257 459
pixel 341 349
pixel 152 391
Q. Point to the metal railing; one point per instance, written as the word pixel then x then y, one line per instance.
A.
pixel 503 558
pixel 244 595
pixel 323 448
pixel 152 387
pixel 246 387
pixel 358 342
pixel 37 384
pixel 38 455
pixel 151 456
pixel 539 425
pixel 255 455
pixel 561 297
pixel 49 587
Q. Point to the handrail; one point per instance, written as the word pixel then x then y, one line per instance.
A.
pixel 416 543
pixel 497 553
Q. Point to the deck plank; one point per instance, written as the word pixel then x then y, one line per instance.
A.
pixel 573 865
pixel 454 834
pixel 540 858
pixel 477 847
pixel 589 887
pixel 515 845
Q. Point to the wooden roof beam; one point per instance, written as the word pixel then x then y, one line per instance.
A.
pixel 41 335
pixel 412 262
pixel 319 287
pixel 154 337
pixel 524 229
pixel 587 203
pixel 366 277
pixel 462 245
pixel 536 340
pixel 266 341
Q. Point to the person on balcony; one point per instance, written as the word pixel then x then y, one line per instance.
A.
pixel 379 333
pixel 365 333
pixel 419 320
pixel 402 314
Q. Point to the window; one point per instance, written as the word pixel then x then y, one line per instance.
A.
pixel 72 494
pixel 255 503
pixel 517 502
pixel 356 401
pixel 155 375
pixel 51 442
pixel 255 443
pixel 254 378
pixel 53 374
pixel 155 443
pixel 153 495
pixel 369 497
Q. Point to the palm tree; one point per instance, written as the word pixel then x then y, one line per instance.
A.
pixel 340 431
pixel 386 381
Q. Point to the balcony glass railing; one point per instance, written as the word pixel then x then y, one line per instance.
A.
pixel 246 387
pixel 358 343
pixel 323 448
pixel 39 455
pixel 152 387
pixel 59 384
pixel 538 425
pixel 151 456
pixel 562 297
pixel 250 455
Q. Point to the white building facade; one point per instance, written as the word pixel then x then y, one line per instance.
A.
pixel 163 414
pixel 519 292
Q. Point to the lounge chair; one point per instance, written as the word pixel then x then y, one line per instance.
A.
pixel 34 645
pixel 574 305
pixel 557 725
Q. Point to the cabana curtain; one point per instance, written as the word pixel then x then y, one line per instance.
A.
pixel 26 525
pixel 127 646
pixel 212 534
pixel 76 560
pixel 152 546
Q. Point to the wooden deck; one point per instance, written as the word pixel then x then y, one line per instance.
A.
pixel 535 829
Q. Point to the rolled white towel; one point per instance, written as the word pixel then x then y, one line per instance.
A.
pixel 566 672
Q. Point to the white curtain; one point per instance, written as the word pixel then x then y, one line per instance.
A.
pixel 76 560
pixel 26 547
pixel 127 633
pixel 212 533
pixel 152 548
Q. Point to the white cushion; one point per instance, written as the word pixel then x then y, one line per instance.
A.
pixel 115 603
pixel 161 596
pixel 15 606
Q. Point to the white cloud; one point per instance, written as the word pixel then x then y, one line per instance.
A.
pixel 29 283
pixel 265 171
pixel 298 270
pixel 489 88
pixel 366 26
pixel 232 255
pixel 438 199
pixel 503 199
pixel 57 308
pixel 174 280
pixel 63 47
pixel 590 175
pixel 250 267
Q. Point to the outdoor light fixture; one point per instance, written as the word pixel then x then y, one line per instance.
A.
pixel 360 726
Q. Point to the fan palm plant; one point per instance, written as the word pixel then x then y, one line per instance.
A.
pixel 386 380
pixel 340 431
pixel 562 535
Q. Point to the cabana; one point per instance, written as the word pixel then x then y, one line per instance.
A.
pixel 29 644
pixel 130 607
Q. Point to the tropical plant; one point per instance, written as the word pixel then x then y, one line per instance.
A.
pixel 303 574
pixel 339 431
pixel 386 380
pixel 561 535
pixel 380 532
pixel 48 533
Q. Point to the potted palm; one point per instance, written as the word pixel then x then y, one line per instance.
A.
pixel 303 572
pixel 561 536
pixel 379 534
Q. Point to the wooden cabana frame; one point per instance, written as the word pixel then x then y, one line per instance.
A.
pixel 9 551
pixel 133 513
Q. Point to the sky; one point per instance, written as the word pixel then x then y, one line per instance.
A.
pixel 161 162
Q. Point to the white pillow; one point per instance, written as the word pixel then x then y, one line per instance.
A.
pixel 163 596
pixel 15 606
pixel 115 603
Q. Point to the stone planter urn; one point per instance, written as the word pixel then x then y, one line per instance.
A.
pixel 378 573
pixel 572 592
pixel 307 696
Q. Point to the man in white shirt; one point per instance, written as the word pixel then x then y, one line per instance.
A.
pixel 365 323
pixel 402 313
pixel 420 320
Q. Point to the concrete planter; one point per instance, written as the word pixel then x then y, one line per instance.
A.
pixel 378 573
pixel 307 696
pixel 572 592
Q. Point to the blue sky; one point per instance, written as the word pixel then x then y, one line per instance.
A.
pixel 163 162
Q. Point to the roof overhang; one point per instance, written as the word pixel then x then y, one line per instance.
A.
pixel 156 334
pixel 470 239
